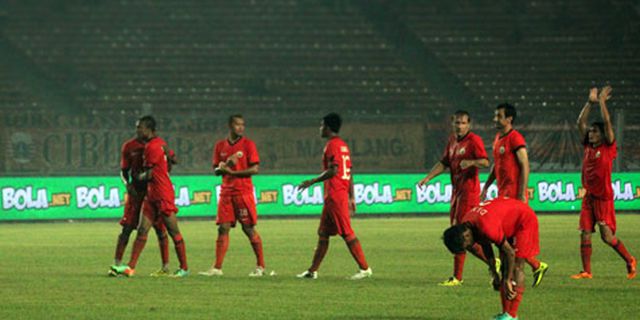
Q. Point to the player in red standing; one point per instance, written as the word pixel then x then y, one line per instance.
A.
pixel 131 165
pixel 159 204
pixel 463 156
pixel 597 204
pixel 339 201
pixel 236 159
pixel 511 170
pixel 512 226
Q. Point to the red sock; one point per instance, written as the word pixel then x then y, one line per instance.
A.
pixel 503 299
pixel 222 244
pixel 533 262
pixel 458 265
pixel 477 251
pixel 256 244
pixel 138 245
pixel 621 249
pixel 515 303
pixel 585 253
pixel 321 250
pixel 181 251
pixel 356 251
pixel 121 246
pixel 163 242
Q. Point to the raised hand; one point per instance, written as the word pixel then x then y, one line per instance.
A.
pixel 593 95
pixel 605 94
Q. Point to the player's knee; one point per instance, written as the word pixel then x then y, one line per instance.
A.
pixel 223 229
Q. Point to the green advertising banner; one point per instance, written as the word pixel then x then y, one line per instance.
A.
pixel 196 196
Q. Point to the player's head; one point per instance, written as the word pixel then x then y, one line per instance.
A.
pixel 504 116
pixel 146 127
pixel 331 124
pixel 236 125
pixel 596 132
pixel 461 123
pixel 457 238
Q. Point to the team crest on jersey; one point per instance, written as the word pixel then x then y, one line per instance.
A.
pixel 239 154
pixel 344 149
pixel 223 154
pixel 462 151
pixel 598 154
pixel 501 150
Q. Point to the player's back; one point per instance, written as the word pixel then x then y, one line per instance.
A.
pixel 155 156
pixel 131 155
pixel 501 217
pixel 337 152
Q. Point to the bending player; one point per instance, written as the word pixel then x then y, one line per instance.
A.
pixel 513 227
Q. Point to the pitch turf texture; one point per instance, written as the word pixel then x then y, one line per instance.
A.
pixel 59 271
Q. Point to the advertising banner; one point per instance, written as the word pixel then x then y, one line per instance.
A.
pixel 35 198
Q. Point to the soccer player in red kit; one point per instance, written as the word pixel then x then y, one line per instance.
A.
pixel 463 156
pixel 131 165
pixel 159 204
pixel 511 169
pixel 512 226
pixel 597 204
pixel 236 159
pixel 339 201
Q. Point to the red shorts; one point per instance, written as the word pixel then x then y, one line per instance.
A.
pixel 154 209
pixel 526 241
pixel 241 207
pixel 335 217
pixel 132 208
pixel 597 211
pixel 460 206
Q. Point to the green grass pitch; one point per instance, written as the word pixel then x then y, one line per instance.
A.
pixel 58 271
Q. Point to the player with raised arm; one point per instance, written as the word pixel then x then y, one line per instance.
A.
pixel 463 155
pixel 597 204
pixel 512 226
pixel 236 159
pixel 160 201
pixel 131 167
pixel 339 201
pixel 511 169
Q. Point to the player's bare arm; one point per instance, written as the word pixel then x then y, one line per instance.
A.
pixel 327 174
pixel 490 179
pixel 523 161
pixel 583 118
pixel 436 170
pixel 146 175
pixel 509 276
pixel 605 94
pixel 491 262
pixel 479 163
pixel 126 179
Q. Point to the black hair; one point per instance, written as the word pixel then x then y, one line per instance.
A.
pixel 454 239
pixel 234 116
pixel 333 122
pixel 599 125
pixel 148 122
pixel 461 113
pixel 509 111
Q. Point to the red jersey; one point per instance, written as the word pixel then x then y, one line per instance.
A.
pixel 336 152
pixel 470 147
pixel 499 219
pixel 506 166
pixel 131 158
pixel 244 154
pixel 160 186
pixel 596 169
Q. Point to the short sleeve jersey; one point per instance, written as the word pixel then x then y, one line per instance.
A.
pixel 131 157
pixel 506 166
pixel 336 152
pixel 499 219
pixel 596 169
pixel 243 153
pixel 160 186
pixel 470 147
